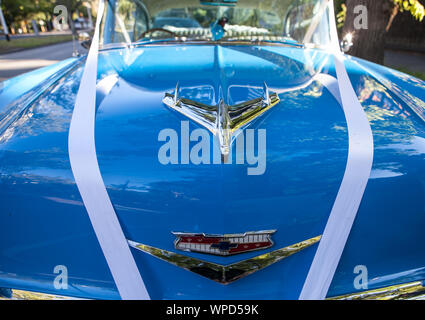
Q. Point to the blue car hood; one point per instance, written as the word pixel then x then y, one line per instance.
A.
pixel 306 149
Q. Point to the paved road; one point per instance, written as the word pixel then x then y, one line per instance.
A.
pixel 16 63
pixel 414 62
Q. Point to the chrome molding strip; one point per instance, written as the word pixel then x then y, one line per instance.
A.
pixel 406 291
pixel 29 295
pixel 195 42
pixel 222 120
pixel 225 274
pixel 229 235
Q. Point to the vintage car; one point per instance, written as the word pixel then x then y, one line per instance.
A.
pixel 237 155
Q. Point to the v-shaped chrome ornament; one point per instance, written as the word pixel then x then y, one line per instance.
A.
pixel 225 274
pixel 222 120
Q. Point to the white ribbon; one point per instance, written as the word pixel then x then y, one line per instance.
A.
pixel 331 84
pixel 350 194
pixel 82 155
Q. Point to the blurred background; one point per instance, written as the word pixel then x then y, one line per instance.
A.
pixel 31 37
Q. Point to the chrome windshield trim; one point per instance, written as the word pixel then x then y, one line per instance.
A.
pixel 230 42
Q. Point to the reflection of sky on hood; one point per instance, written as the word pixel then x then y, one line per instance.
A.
pixel 399 277
pixel 378 174
pixel 62 174
pixel 416 146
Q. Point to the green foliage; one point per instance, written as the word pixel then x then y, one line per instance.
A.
pixel 338 4
pixel 19 10
pixel 203 16
pixel 126 9
pixel 413 6
pixel 341 15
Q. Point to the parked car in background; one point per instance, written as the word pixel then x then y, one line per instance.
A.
pixel 81 24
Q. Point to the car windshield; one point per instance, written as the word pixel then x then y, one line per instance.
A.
pixel 296 22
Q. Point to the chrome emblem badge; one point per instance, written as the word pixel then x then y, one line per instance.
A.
pixel 224 245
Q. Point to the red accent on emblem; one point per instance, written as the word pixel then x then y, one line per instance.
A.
pixel 249 246
pixel 226 244
pixel 200 239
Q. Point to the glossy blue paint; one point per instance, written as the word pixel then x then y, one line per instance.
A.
pixel 386 236
pixel 44 223
pixel 12 89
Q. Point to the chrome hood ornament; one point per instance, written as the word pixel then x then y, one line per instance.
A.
pixel 225 274
pixel 223 245
pixel 222 120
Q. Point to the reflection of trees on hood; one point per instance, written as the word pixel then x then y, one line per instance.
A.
pixel 388 117
pixel 396 129
pixel 50 113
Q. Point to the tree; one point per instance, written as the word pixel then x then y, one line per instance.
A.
pixel 369 43
pixel 16 11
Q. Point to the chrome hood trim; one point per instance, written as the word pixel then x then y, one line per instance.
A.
pixel 406 291
pixel 225 274
pixel 222 120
